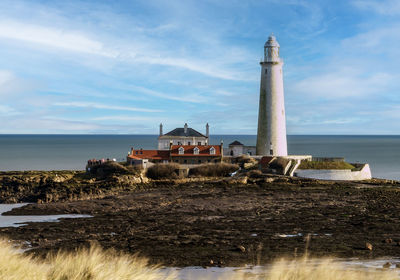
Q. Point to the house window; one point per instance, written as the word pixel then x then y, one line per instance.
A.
pixel 212 151
pixel 199 143
pixel 196 151
pixel 181 150
pixel 209 160
pixel 185 161
pixel 189 143
pixel 199 160
pixel 179 143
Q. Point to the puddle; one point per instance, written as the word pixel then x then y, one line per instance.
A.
pixel 260 272
pixel 17 221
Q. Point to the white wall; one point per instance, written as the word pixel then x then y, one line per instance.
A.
pixel 240 150
pixel 163 144
pixel 333 174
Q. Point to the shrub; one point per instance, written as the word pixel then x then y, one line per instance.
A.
pixel 214 169
pixel 162 171
pixel 109 168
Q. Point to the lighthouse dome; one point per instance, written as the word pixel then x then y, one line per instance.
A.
pixel 271 42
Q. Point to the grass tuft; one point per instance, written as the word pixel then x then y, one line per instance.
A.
pixel 84 264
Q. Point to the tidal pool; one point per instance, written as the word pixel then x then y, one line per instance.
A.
pixel 17 221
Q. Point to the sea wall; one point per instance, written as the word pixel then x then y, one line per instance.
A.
pixel 363 172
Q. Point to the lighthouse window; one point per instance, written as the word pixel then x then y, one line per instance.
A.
pixel 266 71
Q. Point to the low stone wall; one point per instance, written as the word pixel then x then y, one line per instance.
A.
pixel 362 173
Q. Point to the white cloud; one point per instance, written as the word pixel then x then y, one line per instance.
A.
pixel 384 7
pixel 52 37
pixel 343 83
pixel 5 76
pixel 382 40
pixel 8 111
pixel 103 106
pixel 186 98
pixel 125 118
pixel 133 51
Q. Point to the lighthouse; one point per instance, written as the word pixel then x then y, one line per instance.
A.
pixel 271 133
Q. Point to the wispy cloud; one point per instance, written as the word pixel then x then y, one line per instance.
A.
pixel 103 106
pixel 343 83
pixel 384 7
pixel 8 111
pixel 144 52
pixel 51 37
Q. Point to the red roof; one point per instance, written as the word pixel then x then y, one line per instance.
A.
pixel 150 154
pixel 189 150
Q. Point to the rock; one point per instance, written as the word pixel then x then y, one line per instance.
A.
pixel 269 180
pixel 387 265
pixel 242 248
pixel 368 246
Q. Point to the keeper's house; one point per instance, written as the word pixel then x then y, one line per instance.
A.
pixel 181 154
pixel 182 136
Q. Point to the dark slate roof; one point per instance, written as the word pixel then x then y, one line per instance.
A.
pixel 181 132
pixel 235 143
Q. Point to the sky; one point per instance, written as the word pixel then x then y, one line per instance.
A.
pixel 124 67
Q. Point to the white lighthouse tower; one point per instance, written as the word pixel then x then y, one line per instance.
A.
pixel 271 134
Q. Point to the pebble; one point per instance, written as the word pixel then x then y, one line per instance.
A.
pixel 387 265
pixel 368 246
pixel 242 248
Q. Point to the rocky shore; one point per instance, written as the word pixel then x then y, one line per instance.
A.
pixel 207 221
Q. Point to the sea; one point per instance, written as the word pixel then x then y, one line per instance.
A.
pixel 71 152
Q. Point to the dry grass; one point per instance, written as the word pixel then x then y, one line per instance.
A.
pixel 97 264
pixel 326 269
pixel 305 164
pixel 84 264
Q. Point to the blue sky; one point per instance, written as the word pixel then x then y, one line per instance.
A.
pixel 102 67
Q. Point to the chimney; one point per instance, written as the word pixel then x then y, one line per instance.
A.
pixel 161 131
pixel 185 128
pixel 207 130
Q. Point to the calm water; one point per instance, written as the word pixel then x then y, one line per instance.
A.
pixel 56 152
pixel 17 221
